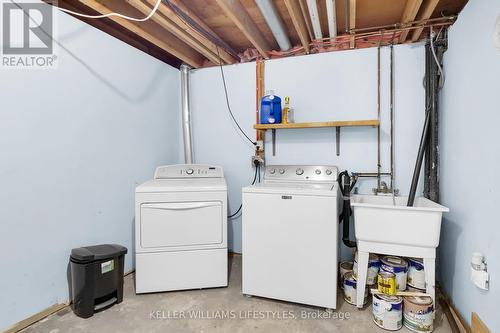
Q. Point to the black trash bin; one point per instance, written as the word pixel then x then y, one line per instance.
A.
pixel 96 278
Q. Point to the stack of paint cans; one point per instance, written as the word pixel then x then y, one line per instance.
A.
pixel 416 275
pixel 397 266
pixel 345 267
pixel 350 283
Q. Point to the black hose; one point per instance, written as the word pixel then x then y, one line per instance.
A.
pixel 420 157
pixel 346 184
pixel 257 171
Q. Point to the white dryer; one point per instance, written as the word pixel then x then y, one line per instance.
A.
pixel 181 229
pixel 290 235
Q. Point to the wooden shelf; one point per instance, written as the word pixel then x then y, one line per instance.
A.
pixel 320 124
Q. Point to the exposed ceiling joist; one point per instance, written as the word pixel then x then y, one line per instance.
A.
pixel 238 14
pixel 170 26
pixel 157 36
pixel 307 18
pixel 299 23
pixel 208 45
pixel 426 13
pixel 352 21
pixel 410 13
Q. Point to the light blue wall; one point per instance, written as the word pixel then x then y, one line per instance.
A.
pixel 470 157
pixel 73 146
pixel 328 86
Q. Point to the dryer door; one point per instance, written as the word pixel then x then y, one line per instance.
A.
pixel 176 224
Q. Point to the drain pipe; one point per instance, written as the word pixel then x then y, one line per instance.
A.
pixel 275 23
pixel 186 114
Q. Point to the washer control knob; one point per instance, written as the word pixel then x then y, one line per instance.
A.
pixel 299 172
pixel 189 171
pixel 328 172
pixel 282 171
pixel 318 171
pixel 272 171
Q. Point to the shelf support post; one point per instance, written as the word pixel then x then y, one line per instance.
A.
pixel 337 132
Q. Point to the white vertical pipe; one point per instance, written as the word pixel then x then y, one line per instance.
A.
pixel 186 114
pixel 312 6
pixel 332 18
pixel 275 23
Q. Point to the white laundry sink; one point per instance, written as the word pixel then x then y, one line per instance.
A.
pixel 377 219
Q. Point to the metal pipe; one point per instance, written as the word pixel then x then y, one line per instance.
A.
pixel 332 18
pixel 370 174
pixel 186 114
pixel 275 23
pixel 312 6
pixel 379 165
pixel 420 157
pixel 392 116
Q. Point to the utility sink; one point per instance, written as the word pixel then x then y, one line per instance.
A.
pixel 384 219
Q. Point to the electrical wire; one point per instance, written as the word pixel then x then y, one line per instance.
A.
pixel 257 171
pixel 227 99
pixel 155 8
pixel 442 78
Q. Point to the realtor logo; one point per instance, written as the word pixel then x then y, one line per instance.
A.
pixel 27 30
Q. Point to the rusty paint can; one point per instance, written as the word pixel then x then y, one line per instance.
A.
pixel 388 312
pixel 386 283
pixel 416 273
pixel 373 268
pixel 399 267
pixel 345 267
pixel 350 293
pixel 418 314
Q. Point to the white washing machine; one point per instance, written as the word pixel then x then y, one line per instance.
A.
pixel 290 235
pixel 181 229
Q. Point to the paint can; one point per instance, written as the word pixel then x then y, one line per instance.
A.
pixel 350 295
pixel 345 267
pixel 386 283
pixel 415 290
pixel 418 314
pixel 416 273
pixel 388 312
pixel 399 267
pixel 373 268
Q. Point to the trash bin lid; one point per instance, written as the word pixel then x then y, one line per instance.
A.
pixel 97 252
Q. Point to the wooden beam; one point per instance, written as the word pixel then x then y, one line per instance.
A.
pixel 295 12
pixel 352 21
pixel 162 39
pixel 238 14
pixel 185 29
pixel 427 11
pixel 307 18
pixel 170 26
pixel 410 12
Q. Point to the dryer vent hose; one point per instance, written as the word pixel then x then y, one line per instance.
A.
pixel 346 184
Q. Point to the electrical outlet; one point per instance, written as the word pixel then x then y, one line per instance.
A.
pixel 496 34
pixel 257 161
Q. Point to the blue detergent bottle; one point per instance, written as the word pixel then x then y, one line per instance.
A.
pixel 270 109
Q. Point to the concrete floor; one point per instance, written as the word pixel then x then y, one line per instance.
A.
pixel 149 314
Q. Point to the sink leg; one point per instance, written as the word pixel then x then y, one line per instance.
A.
pixel 430 278
pixel 361 278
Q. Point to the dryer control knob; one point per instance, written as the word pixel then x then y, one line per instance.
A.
pixel 272 171
pixel 282 171
pixel 299 171
pixel 318 171
pixel 189 171
pixel 328 172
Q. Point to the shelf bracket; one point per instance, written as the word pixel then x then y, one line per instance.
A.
pixel 337 143
pixel 274 141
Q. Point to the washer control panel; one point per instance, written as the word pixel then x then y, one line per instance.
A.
pixel 301 172
pixel 188 171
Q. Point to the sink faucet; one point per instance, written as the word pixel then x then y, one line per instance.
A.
pixel 384 189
